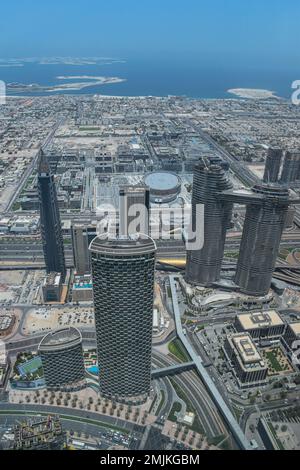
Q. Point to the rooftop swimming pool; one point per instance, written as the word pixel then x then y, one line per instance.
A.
pixel 93 370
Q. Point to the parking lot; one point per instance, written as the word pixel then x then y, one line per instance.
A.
pixel 43 319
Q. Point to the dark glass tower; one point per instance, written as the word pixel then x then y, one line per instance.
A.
pixel 123 281
pixel 82 236
pixel 291 167
pixel 210 180
pixel 134 198
pixel 51 232
pixel 263 227
pixel 273 164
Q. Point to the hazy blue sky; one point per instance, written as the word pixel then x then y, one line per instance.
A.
pixel 265 31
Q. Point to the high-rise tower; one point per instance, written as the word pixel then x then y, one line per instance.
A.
pixel 263 228
pixel 204 266
pixel 273 164
pixel 123 281
pixel 291 167
pixel 82 236
pixel 134 205
pixel 51 232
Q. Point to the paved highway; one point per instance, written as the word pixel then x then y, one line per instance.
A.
pixel 238 167
pixel 194 389
pixel 75 414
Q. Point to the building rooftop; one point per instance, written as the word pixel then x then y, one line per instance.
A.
pixel 131 188
pixel 123 246
pixel 295 327
pixel 61 339
pixel 246 351
pixel 83 285
pixel 43 164
pixel 6 321
pixel 162 181
pixel 53 279
pixel 251 321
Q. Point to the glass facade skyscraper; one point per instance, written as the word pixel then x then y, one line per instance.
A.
pixel 53 245
pixel 210 180
pixel 123 281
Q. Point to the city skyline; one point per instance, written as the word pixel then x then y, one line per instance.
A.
pixel 118 341
pixel 149 230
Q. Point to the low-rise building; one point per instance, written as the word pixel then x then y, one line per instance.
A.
pixel 52 288
pixel 247 362
pixel 292 334
pixel 5 367
pixel 44 433
pixel 291 342
pixel 82 289
pixel 7 322
pixel 261 325
pixel 5 225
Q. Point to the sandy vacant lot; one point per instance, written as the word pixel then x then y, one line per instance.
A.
pixel 12 278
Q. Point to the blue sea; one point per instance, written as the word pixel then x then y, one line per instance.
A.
pixel 157 78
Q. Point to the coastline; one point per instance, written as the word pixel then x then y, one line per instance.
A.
pixel 253 93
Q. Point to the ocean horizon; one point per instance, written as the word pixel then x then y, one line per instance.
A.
pixel 144 78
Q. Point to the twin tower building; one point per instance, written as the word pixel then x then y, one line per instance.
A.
pixel 123 269
pixel 266 212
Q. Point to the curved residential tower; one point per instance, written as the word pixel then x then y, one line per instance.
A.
pixel 62 358
pixel 210 180
pixel 273 164
pixel 123 281
pixel 263 228
pixel 291 168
